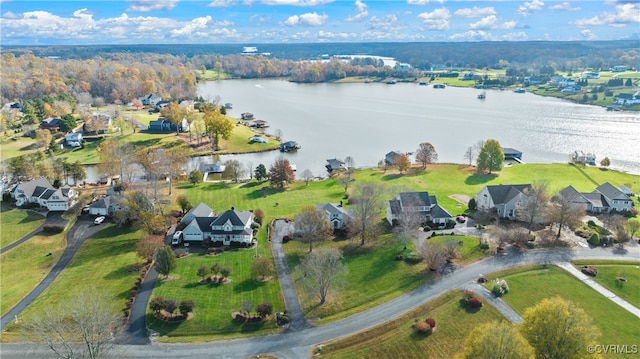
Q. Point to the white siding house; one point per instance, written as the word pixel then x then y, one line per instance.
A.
pixel 505 199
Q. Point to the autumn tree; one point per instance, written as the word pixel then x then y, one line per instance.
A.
pixel 84 325
pixel 262 268
pixel 147 246
pixel 43 138
pixel 402 162
pixel 557 328
pixel 234 170
pixel 218 127
pixel 368 201
pixel 563 212
pixel 490 157
pixel 536 198
pixel 426 154
pixel 174 113
pixel 165 261
pixel 322 271
pixel 312 225
pixel 496 340
pixel 281 173
pixel 260 173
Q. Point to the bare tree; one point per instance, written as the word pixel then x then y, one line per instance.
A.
pixel 434 254
pixel 234 170
pixel 85 325
pixel 368 201
pixel 347 175
pixel 307 176
pixel 407 226
pixel 469 155
pixel 322 271
pixel 249 169
pixel 632 226
pixel 564 212
pixel 426 154
pixel 535 201
pixel 312 225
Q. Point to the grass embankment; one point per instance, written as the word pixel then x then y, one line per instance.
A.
pixel 609 271
pixel 16 223
pixel 529 285
pixel 107 261
pixel 24 266
pixel 16 146
pixel 397 338
pixel 214 303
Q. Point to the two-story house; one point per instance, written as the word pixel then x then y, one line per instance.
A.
pixel 229 227
pixel 505 199
pixel 425 206
pixel 41 192
pixel 336 214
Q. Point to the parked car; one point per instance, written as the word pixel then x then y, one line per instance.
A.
pixel 461 219
pixel 98 220
pixel 259 139
pixel 177 238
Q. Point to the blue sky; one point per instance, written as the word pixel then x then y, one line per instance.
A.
pixel 309 21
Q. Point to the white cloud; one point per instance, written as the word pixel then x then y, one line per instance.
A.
pixel 361 10
pixel 297 2
pixel 386 23
pixel 438 19
pixel 624 14
pixel 528 7
pixel 515 36
pixel 258 20
pixel 472 35
pixel 508 25
pixel 475 12
pixel 188 29
pixel 222 3
pixel 424 2
pixel 588 34
pixel 564 6
pixel 152 5
pixel 308 19
pixel 328 35
pixel 489 22
pixel 9 15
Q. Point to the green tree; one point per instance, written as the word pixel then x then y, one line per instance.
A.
pixel 490 157
pixel 195 177
pixel 203 271
pixel 496 341
pixel 261 268
pixel 261 173
pixel 165 261
pixel 43 138
pixel 605 162
pixel 183 202
pixel 218 127
pixel 312 225
pixel 558 329
pixel 68 123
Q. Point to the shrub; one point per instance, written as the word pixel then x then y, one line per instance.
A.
pixel 475 303
pixel 6 197
pixel 431 322
pixel 591 223
pixel 218 244
pixel 186 306
pixel 422 326
pixel 484 245
pixel 286 239
pixel 170 305
pixel 594 239
pixel 399 257
pixel 590 271
pixel 157 304
pixel 53 228
pixel 499 287
pixel 264 309
pixel 426 228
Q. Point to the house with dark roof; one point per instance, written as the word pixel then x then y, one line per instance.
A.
pixel 425 206
pixel 336 214
pixel 606 198
pixel 505 199
pixel 50 123
pixel 41 192
pixel 105 206
pixel 334 164
pixel 150 99
pixel 390 158
pixel 229 227
pixel 164 125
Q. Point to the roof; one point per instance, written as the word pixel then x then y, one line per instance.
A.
pixel 609 190
pixel 626 190
pixel 507 150
pixel 48 193
pixel 391 156
pixel 416 199
pixel 101 203
pixel 204 223
pixel 201 210
pixel 439 212
pixel 335 163
pixel 236 218
pixel 570 193
pixel 597 200
pixel 29 187
pixel 331 208
pixel 395 207
pixel 505 193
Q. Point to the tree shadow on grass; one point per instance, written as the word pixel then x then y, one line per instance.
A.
pixel 355 249
pixel 476 179
pixel 293 259
pixel 251 184
pixel 247 285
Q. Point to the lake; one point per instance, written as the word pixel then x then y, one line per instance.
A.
pixel 365 121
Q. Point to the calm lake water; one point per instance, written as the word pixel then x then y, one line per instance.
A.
pixel 365 121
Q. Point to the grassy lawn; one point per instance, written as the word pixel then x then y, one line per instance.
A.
pixel 106 261
pixel 16 223
pixel 608 271
pixel 214 303
pixel 468 252
pixel 86 155
pixel 529 285
pixel 397 338
pixel 24 266
pixel 16 146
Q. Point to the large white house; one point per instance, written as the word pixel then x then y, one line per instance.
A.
pixel 505 199
pixel 41 192
pixel 606 198
pixel 425 206
pixel 229 227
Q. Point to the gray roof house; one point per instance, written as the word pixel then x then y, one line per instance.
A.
pixel 334 164
pixel 426 207
pixel 390 157
pixel 505 199
pixel 105 206
pixel 40 191
pixel 604 199
pixel 336 214
pixel 230 226
pixel 200 210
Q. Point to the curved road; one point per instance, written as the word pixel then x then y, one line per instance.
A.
pixel 298 344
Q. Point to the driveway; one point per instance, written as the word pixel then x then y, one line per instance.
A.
pixel 81 230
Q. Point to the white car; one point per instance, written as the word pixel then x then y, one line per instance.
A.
pixel 177 238
pixel 259 139
pixel 98 220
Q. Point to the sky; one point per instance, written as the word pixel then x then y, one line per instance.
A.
pixel 90 22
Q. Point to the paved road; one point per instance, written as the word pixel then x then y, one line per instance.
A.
pixel 51 218
pixel 298 344
pixel 81 230
pixel 496 302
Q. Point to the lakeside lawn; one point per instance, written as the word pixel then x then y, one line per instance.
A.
pixel 16 146
pixel 214 303
pixel 16 223
pixel 608 271
pixel 106 261
pixel 24 266
pixel 529 285
pixel 397 338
